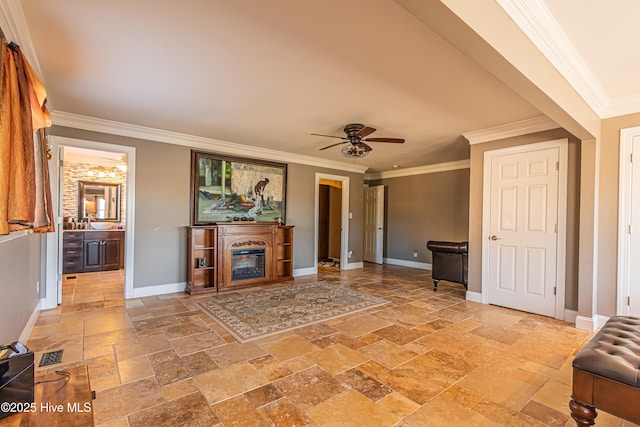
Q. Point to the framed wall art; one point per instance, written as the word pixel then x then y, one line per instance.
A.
pixel 229 189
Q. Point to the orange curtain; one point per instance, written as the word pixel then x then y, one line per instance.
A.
pixel 25 196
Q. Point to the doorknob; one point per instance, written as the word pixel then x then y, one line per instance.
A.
pixel 494 237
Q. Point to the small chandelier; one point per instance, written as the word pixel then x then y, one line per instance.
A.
pixel 354 151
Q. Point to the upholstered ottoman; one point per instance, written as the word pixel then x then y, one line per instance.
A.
pixel 606 373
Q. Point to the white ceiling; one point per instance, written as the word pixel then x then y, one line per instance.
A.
pixel 269 73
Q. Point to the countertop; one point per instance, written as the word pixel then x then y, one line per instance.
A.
pixel 93 229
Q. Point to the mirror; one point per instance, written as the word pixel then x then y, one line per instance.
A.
pixel 101 200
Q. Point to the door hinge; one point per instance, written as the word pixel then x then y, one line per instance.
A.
pixel 61 163
pixel 556 228
pixel 628 300
pixel 631 157
pixel 557 166
pixel 554 290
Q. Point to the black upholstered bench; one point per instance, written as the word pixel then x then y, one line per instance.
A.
pixel 606 373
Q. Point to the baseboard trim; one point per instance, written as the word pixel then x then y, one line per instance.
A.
pixel 474 296
pixel 405 263
pixel 591 323
pixel 304 271
pixel 168 288
pixel 353 266
pixel 24 336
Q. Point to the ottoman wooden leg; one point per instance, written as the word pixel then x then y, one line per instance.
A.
pixel 584 415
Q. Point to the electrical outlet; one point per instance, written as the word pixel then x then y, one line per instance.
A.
pixel 415 253
pixel 350 253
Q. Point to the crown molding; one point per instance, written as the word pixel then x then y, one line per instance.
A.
pixel 622 106
pixel 536 21
pixel 509 130
pixel 420 170
pixel 77 121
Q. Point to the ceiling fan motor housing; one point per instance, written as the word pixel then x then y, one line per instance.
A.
pixel 352 131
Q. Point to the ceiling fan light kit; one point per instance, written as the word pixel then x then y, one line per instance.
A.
pixel 357 135
pixel 354 151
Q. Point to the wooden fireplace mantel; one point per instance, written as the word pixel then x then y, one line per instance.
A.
pixel 210 250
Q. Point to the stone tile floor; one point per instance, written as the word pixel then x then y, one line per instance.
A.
pixel 426 359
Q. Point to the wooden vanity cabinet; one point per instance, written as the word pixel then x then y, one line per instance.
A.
pixel 101 250
pixel 91 250
pixel 72 252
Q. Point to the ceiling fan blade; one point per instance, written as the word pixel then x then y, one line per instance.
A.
pixel 366 147
pixel 393 140
pixel 333 145
pixel 329 136
pixel 365 131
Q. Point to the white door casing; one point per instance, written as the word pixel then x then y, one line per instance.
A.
pixel 52 248
pixel 59 222
pixel 374 224
pixel 524 223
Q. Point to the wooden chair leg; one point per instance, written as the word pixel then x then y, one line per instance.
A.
pixel 584 415
pixel 435 284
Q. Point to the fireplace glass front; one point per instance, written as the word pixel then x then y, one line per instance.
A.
pixel 247 264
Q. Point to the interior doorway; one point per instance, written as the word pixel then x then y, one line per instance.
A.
pixel 93 198
pixel 329 222
pixel 332 237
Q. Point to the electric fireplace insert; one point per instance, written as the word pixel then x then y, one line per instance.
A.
pixel 247 264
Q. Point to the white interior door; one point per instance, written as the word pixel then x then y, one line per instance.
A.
pixel 523 231
pixel 374 223
pixel 634 236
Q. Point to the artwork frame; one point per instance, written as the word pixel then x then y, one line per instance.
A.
pixel 234 189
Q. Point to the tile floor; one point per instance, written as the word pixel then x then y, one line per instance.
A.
pixel 425 359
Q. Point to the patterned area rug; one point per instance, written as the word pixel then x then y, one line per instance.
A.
pixel 259 313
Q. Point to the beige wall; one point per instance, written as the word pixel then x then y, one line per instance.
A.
pixel 608 211
pixel 573 214
pixel 419 208
pixel 21 270
pixel 162 208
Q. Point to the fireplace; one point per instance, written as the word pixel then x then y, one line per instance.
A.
pixel 247 258
pixel 247 264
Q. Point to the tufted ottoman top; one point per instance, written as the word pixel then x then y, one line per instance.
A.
pixel 614 352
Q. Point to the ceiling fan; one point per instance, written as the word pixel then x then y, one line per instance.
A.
pixel 357 135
